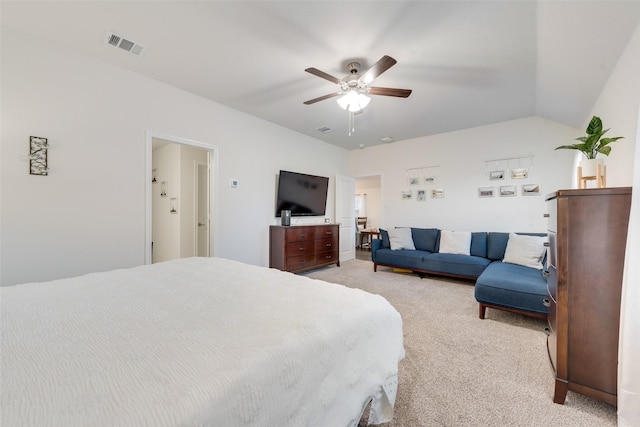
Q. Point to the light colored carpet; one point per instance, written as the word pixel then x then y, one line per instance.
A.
pixel 463 371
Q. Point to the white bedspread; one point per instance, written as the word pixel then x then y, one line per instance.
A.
pixel 197 341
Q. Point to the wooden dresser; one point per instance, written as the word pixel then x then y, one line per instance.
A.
pixel 587 237
pixel 300 248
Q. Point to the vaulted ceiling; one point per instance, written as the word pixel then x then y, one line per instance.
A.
pixel 469 63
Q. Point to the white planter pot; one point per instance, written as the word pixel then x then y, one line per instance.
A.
pixel 589 167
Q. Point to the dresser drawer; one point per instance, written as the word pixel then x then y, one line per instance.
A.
pixel 325 244
pixel 300 248
pixel 552 216
pixel 299 262
pixel 552 252
pixel 299 234
pixel 327 257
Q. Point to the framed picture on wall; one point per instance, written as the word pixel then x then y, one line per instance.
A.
pixel 496 175
pixel 173 205
pixel 508 190
pixel 437 193
pixel 519 173
pixel 485 192
pixel 531 190
pixel 163 189
pixel 421 196
pixel 407 195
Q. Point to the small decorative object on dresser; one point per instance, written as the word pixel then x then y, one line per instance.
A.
pixel 592 144
pixel 299 248
pixel 584 282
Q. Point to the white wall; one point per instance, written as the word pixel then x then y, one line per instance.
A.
pixel 461 157
pixel 89 213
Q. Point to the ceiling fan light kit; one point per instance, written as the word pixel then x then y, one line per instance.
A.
pixel 354 89
pixel 353 101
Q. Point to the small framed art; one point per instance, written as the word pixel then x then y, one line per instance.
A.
pixel 531 190
pixel 496 175
pixel 485 192
pixel 519 173
pixel 437 193
pixel 508 190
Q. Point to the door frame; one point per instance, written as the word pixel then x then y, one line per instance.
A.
pixel 196 232
pixel 212 157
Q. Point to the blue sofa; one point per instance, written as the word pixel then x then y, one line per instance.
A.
pixel 499 285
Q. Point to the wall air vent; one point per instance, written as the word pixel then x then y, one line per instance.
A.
pixel 324 129
pixel 115 40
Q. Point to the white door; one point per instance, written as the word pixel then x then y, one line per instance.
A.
pixel 346 215
pixel 202 210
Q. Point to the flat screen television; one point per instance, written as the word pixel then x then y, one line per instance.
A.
pixel 302 194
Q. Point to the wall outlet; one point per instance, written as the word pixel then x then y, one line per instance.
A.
pixel 233 183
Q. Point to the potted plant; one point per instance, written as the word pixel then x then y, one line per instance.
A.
pixel 592 144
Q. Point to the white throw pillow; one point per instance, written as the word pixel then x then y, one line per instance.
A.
pixel 400 238
pixel 455 242
pixel 525 250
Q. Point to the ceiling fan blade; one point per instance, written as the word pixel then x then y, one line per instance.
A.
pixel 387 91
pixel 321 98
pixel 378 68
pixel 323 75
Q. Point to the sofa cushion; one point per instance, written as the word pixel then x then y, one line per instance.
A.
pixel 425 239
pixel 479 244
pixel 384 236
pixel 512 286
pixel 525 250
pixel 455 242
pixel 400 238
pixel 402 259
pixel 496 245
pixel 455 264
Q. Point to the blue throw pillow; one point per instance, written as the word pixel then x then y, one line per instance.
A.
pixel 425 239
pixel 384 235
pixel 496 245
pixel 479 244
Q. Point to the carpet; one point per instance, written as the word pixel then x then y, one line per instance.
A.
pixel 460 370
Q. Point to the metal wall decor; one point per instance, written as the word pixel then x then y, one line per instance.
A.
pixel 38 148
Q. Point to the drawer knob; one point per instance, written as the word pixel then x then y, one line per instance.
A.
pixel 328 245
pixel 546 244
pixel 301 262
pixel 546 273
pixel 302 248
pixel 545 215
pixel 546 302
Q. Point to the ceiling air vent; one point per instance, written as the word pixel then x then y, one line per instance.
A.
pixel 114 39
pixel 324 129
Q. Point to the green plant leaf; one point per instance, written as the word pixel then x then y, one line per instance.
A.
pixel 595 126
pixel 604 150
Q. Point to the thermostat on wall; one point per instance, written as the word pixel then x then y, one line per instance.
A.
pixel 233 183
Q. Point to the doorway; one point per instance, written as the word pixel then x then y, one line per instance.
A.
pixel 180 198
pixel 368 204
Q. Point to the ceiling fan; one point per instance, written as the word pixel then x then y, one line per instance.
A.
pixel 354 88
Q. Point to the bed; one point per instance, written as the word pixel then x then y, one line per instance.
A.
pixel 196 342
